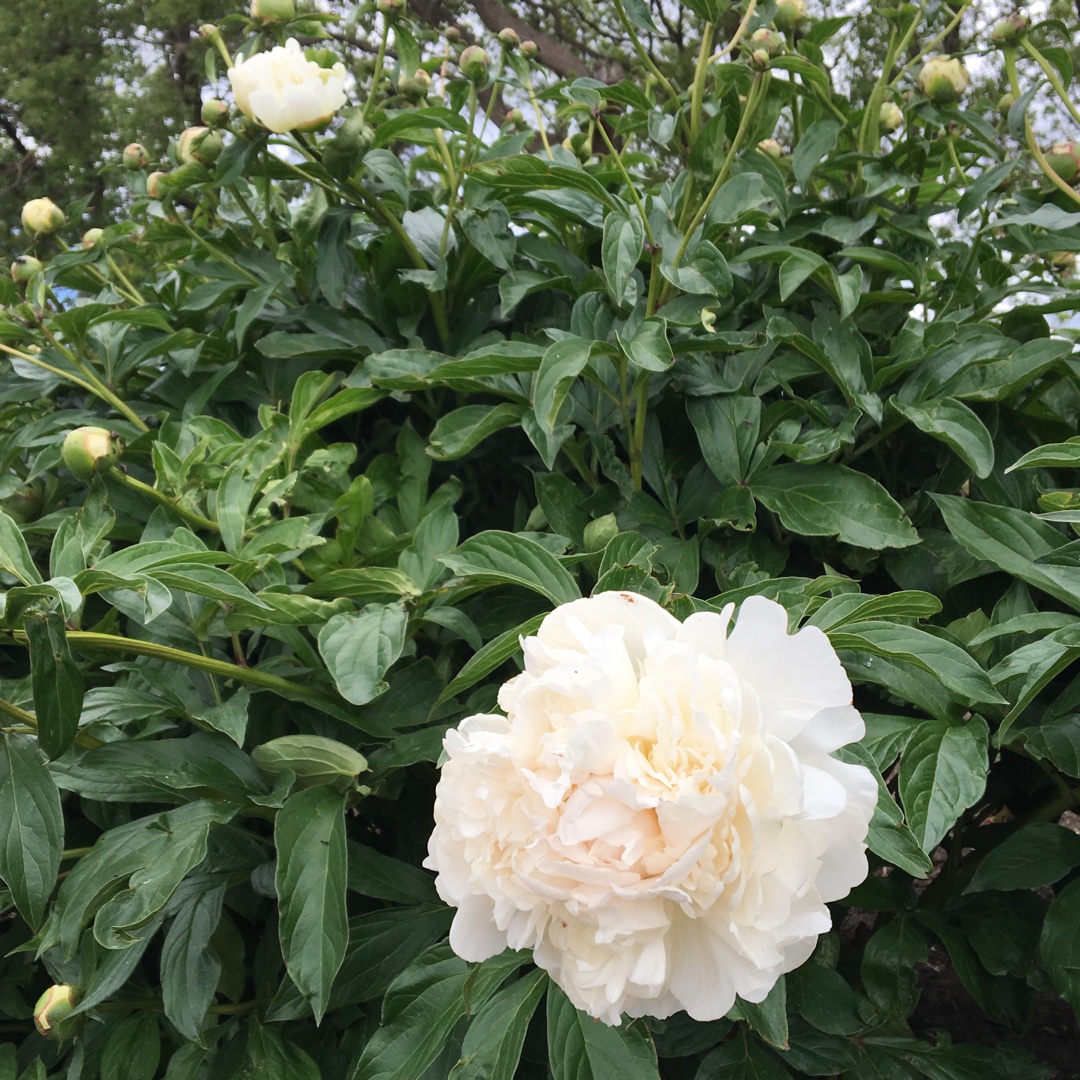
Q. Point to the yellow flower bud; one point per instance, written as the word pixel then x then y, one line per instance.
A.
pixel 91 237
pixel 943 80
pixel 771 148
pixel 789 14
pixel 52 1007
pixel 90 450
pixel 890 117
pixel 474 64
pixel 200 145
pixel 135 156
pixel 269 11
pixel 25 267
pixel 214 112
pixel 42 216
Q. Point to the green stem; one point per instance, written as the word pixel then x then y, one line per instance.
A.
pixel 376 77
pixel 956 161
pixel 89 641
pixel 631 186
pixel 75 852
pixel 870 128
pixel 190 516
pixel 1051 73
pixel 217 252
pixel 646 59
pixel 697 92
pixel 757 92
pixel 132 291
pixel 258 224
pixel 637 445
pixel 29 720
pixel 456 174
pixel 541 125
pixel 739 31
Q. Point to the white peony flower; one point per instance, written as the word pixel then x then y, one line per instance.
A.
pixel 658 816
pixel 283 90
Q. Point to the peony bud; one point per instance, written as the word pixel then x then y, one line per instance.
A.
pixel 515 117
pixel 474 64
pixel 943 80
pixel 199 144
pixel 155 187
pixel 416 87
pixel 214 112
pixel 42 216
pixel 771 148
pixel 1005 103
pixel 760 58
pixel 508 38
pixel 1064 159
pixel 1063 262
pixel 1010 31
pixel 390 8
pixel 271 11
pixel 789 14
pixel 529 49
pixel 769 40
pixel 135 156
pixel 25 267
pixel 91 237
pixel 90 450
pixel 53 1007
pixel 452 34
pixel 890 117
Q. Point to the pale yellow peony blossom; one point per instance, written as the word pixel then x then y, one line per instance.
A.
pixel 658 816
pixel 284 91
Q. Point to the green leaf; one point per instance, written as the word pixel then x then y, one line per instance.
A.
pixel 1065 455
pixel 1059 945
pixel 889 966
pixel 580 1048
pixel 189 968
pixel 942 772
pixel 649 348
pixel 422 1007
pixel 563 362
pixel 133 1048
pixel 727 427
pixel 31 826
pixel 371 873
pixel 769 1017
pixel 741 1059
pixel 309 834
pixel 457 432
pixel 14 554
pixel 502 558
pixel 833 500
pixel 1011 540
pixel 272 1057
pixel 57 683
pixel 363 584
pixel 814 143
pixel 492 1046
pixel 359 649
pixel 1037 854
pixel 623 240
pixel 957 426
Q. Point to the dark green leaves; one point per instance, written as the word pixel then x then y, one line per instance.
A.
pixel 359 649
pixel 57 683
pixel 1035 855
pixel 31 826
pixel 309 833
pixel 579 1048
pixel 500 558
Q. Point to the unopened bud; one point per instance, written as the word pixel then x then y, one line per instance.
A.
pixel 91 237
pixel 1005 103
pixel 42 216
pixel 155 186
pixel 943 80
pixel 760 58
pixel 789 14
pixel 890 117
pixel 214 112
pixel 135 156
pixel 416 86
pixel 25 267
pixel 53 1007
pixel 1063 262
pixel 199 144
pixel 508 38
pixel 390 8
pixel 90 450
pixel 1064 159
pixel 771 148
pixel 529 48
pixel 515 117
pixel 769 40
pixel 474 64
pixel 1010 31
pixel 452 33
pixel 270 11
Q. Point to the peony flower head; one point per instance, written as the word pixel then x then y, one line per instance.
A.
pixel 284 91
pixel 658 816
pixel 943 80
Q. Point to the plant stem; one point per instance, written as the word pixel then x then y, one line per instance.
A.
pixel 376 76
pixel 258 224
pixel 541 126
pixel 637 444
pixel 190 516
pixel 646 59
pixel 125 281
pixel 697 92
pixel 28 719
pixel 1051 73
pixel 739 31
pixel 89 641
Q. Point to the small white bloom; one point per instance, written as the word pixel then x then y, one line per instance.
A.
pixel 658 816
pixel 284 91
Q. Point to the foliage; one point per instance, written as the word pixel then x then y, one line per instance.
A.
pixel 390 392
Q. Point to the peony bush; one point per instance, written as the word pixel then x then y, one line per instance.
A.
pixel 507 576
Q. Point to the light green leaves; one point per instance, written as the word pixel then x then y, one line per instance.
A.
pixel 624 237
pixel 31 826
pixel 502 558
pixel 942 772
pixel 359 649
pixel 309 833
